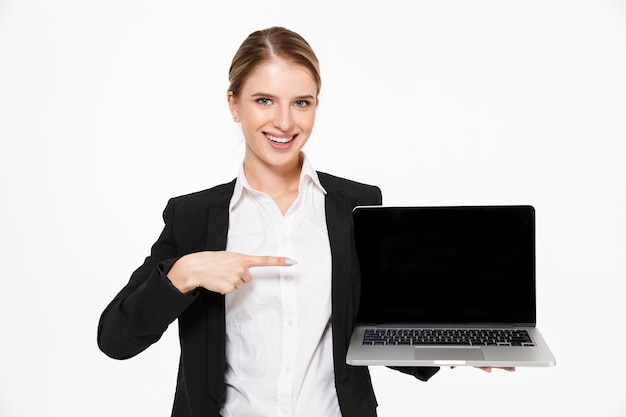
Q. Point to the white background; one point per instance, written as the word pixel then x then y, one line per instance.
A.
pixel 108 108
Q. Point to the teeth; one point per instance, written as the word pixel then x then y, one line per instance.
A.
pixel 279 140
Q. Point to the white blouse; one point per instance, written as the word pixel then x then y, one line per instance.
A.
pixel 279 356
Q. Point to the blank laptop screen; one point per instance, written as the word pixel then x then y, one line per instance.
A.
pixel 442 265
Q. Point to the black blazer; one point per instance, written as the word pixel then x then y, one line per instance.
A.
pixel 144 308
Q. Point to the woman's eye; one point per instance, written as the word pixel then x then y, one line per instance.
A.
pixel 301 103
pixel 264 101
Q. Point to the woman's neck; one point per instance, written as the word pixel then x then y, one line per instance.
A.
pixel 280 183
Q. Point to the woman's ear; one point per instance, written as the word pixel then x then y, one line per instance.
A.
pixel 232 105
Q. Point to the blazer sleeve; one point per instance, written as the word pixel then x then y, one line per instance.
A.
pixel 423 373
pixel 145 307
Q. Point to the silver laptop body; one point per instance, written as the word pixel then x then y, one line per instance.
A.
pixel 444 286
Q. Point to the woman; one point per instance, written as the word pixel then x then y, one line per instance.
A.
pixel 261 272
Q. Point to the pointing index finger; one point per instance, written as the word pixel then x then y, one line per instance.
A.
pixel 268 261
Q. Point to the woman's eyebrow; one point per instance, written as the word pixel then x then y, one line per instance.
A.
pixel 260 94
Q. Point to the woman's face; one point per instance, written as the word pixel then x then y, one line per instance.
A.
pixel 276 107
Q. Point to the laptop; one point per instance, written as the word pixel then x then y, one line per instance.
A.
pixel 447 286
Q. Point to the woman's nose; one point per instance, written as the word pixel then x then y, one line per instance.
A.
pixel 283 119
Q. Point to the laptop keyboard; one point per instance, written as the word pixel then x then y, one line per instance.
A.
pixel 449 337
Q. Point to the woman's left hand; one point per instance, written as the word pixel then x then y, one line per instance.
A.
pixel 490 368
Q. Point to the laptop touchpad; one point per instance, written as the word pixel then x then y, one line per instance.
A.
pixel 446 354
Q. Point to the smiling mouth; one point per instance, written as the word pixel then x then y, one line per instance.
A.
pixel 280 140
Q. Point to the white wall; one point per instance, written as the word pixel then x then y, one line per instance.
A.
pixel 109 108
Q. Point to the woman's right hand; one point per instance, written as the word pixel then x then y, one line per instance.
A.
pixel 219 271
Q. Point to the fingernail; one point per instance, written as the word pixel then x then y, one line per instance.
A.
pixel 290 262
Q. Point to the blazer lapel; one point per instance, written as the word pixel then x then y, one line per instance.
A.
pixel 337 217
pixel 217 234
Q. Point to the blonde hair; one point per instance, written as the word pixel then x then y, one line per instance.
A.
pixel 262 45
